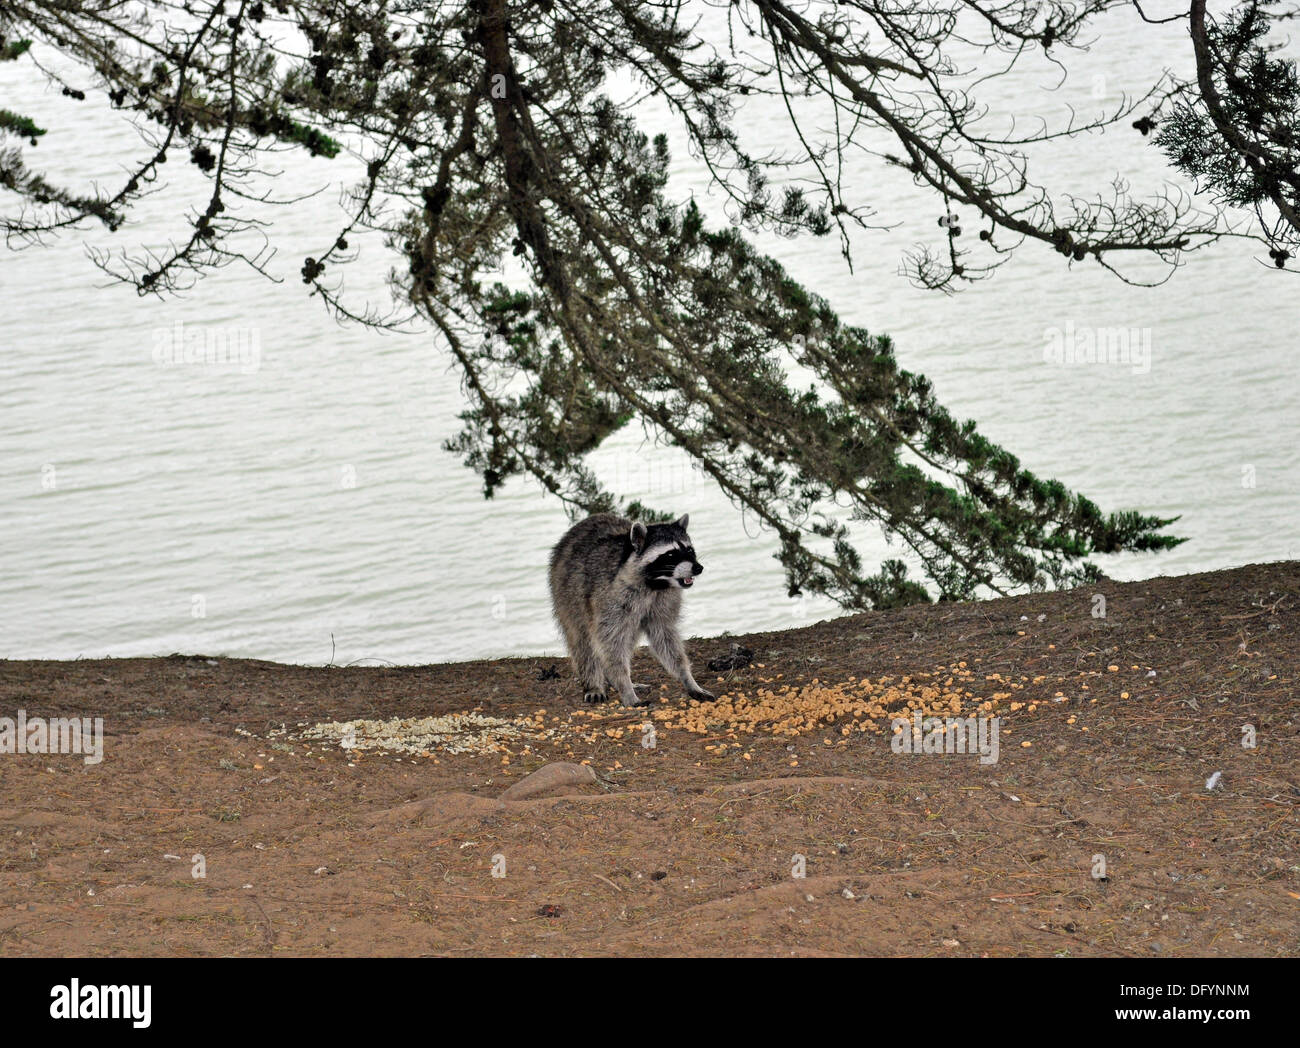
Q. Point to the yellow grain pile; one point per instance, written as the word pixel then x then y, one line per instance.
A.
pixel 777 707
pixel 772 706
pixel 469 732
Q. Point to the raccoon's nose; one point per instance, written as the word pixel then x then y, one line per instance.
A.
pixel 696 568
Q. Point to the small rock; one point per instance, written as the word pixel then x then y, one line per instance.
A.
pixel 738 659
pixel 551 778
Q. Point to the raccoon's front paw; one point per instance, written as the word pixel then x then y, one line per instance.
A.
pixel 700 695
pixel 593 697
pixel 637 700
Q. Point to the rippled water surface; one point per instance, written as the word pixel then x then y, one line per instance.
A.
pixel 297 505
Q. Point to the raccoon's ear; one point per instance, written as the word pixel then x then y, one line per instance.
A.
pixel 637 535
pixel 683 520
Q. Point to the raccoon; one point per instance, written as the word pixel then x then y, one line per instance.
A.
pixel 611 581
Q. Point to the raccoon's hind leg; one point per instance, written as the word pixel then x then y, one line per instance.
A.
pixel 615 641
pixel 666 643
pixel 586 665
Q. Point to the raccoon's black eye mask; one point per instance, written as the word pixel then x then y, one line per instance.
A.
pixel 666 563
pixel 659 572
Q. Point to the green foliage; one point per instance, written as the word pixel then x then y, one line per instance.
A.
pixel 1240 139
pixel 15 176
pixel 9 50
pixel 706 330
pixel 577 297
pixel 276 124
pixel 21 126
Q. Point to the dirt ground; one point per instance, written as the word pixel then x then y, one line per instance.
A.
pixel 691 846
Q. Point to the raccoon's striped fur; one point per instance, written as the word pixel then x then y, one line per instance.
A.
pixel 611 581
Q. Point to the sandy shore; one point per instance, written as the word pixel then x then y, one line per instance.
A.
pixel 1110 728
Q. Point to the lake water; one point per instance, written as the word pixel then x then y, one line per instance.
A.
pixel 300 508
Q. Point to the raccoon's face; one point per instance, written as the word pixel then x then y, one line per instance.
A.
pixel 665 554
